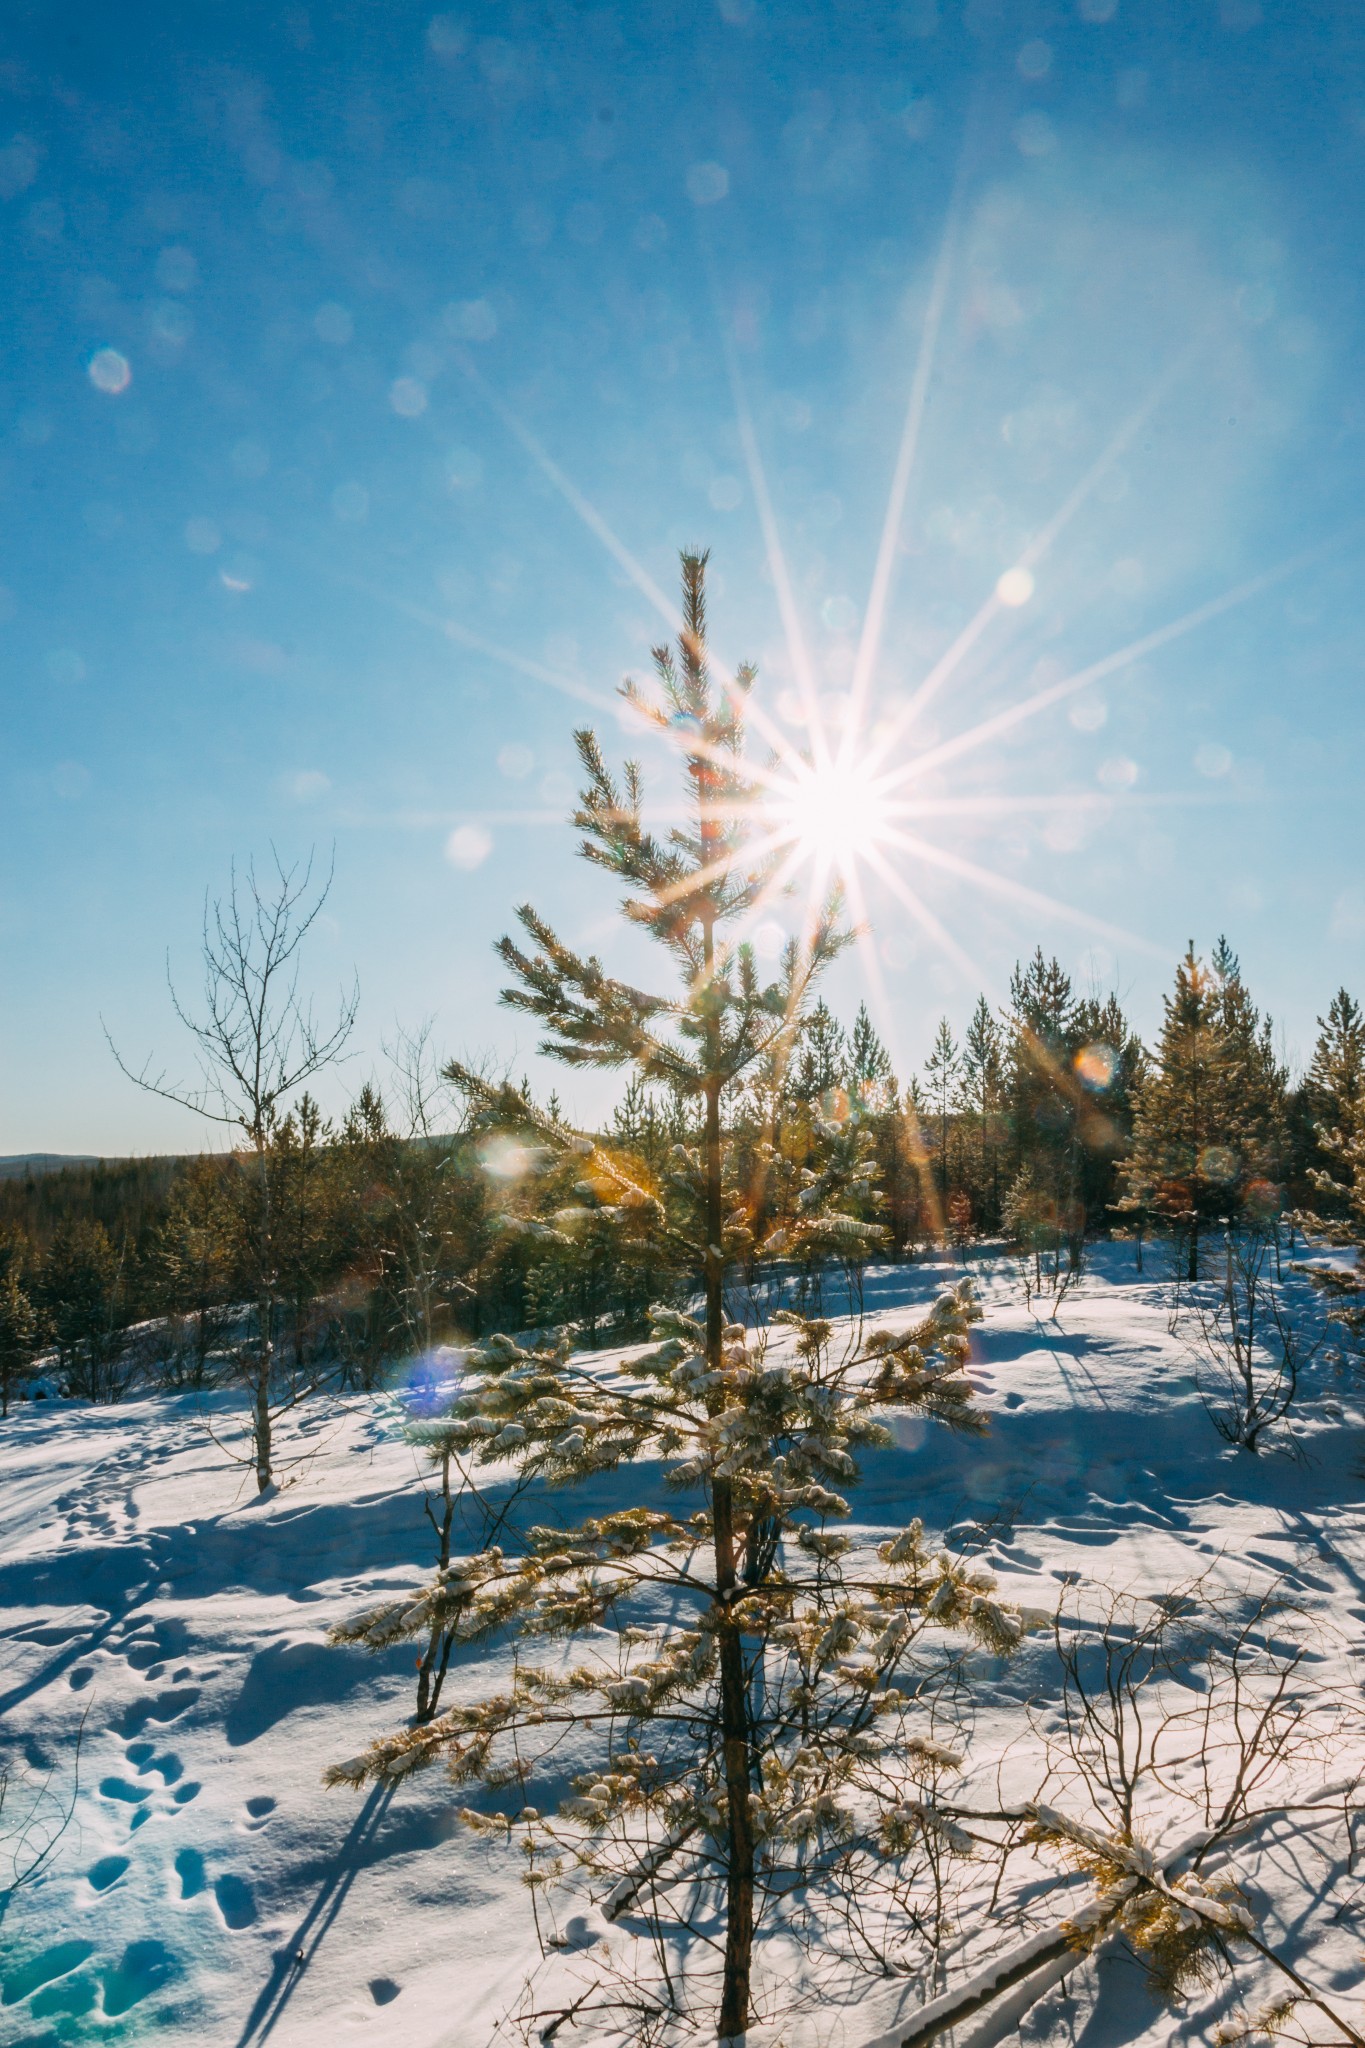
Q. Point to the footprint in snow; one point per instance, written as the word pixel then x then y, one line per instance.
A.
pixel 164 1707
pixel 120 1788
pixel 45 1968
pixel 189 1868
pixel 383 1990
pixel 236 1901
pixel 168 1765
pixel 259 1810
pixel 100 1876
pixel 143 1968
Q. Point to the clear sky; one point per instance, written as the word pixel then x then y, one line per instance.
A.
pixel 363 370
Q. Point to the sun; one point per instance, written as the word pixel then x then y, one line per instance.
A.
pixel 834 812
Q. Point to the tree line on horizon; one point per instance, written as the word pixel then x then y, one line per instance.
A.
pixel 425 1215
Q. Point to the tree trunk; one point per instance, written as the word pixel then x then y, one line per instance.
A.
pixel 739 1884
pixel 432 1669
pixel 1192 1270
pixel 265 1311
pixel 261 1428
pixel 734 1704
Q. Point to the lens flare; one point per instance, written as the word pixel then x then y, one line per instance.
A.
pixel 834 812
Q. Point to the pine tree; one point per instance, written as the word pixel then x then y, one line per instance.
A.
pixel 1108 1067
pixel 821 1065
pixel 981 1098
pixel 942 1071
pixel 734 1734
pixel 306 1220
pixel 1331 1096
pixel 1254 1087
pixel 78 1292
pixel 18 1331
pixel 1336 1074
pixel 870 1073
pixel 1336 1090
pixel 199 1258
pixel 838 1204
pixel 1031 1225
pixel 1042 1092
pixel 1210 1126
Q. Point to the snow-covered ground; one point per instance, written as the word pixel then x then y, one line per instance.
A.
pixel 209 1888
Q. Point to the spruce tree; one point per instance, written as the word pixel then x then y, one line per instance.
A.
pixel 743 1731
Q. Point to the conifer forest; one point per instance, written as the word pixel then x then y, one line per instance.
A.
pixel 682 1025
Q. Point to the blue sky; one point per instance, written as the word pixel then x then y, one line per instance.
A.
pixel 324 328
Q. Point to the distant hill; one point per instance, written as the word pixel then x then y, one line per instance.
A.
pixel 14 1165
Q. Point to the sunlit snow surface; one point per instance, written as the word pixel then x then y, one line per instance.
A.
pixel 141 1589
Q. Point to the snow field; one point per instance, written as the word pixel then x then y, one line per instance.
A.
pixel 209 1888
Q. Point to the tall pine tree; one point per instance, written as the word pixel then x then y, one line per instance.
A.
pixel 736 1730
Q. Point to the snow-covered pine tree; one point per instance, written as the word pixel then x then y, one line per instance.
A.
pixel 738 1683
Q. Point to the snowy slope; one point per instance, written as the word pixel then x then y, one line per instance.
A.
pixel 144 1593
